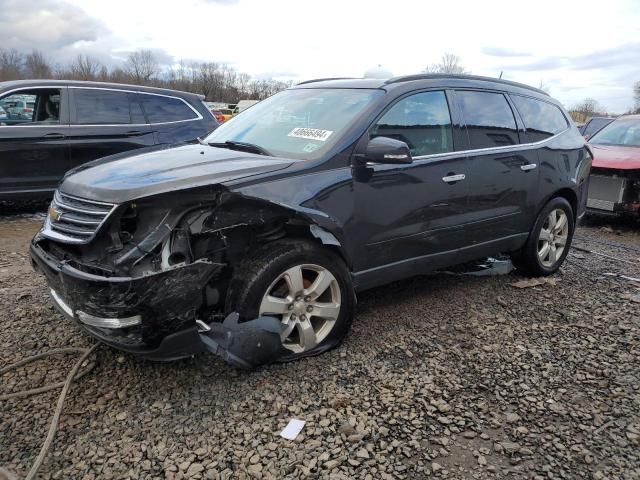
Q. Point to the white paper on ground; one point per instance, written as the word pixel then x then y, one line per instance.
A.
pixel 293 428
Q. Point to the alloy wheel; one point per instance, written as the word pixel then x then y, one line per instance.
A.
pixel 553 237
pixel 306 298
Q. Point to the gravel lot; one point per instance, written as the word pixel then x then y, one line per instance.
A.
pixel 442 376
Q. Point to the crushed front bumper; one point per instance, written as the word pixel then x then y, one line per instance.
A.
pixel 160 308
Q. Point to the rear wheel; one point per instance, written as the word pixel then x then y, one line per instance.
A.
pixel 549 241
pixel 305 286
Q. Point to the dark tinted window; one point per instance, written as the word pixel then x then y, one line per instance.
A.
pixel 101 107
pixel 489 119
pixel 541 119
pixel 137 116
pixel 422 121
pixel 164 109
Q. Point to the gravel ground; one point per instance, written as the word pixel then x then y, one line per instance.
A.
pixel 442 376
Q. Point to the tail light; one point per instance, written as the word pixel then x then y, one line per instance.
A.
pixel 27 110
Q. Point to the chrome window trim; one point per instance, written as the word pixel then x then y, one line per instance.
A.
pixel 481 151
pixel 198 115
pixel 67 125
pixel 471 152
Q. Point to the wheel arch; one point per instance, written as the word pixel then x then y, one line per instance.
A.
pixel 570 196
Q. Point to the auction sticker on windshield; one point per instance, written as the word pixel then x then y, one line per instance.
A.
pixel 310 133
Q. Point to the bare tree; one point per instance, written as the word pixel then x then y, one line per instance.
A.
pixel 588 107
pixel 636 97
pixel 84 67
pixel 142 66
pixel 217 81
pixel 449 63
pixel 37 66
pixel 210 80
pixel 10 64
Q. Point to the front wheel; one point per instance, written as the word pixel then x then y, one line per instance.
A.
pixel 549 241
pixel 306 287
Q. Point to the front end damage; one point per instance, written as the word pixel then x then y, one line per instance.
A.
pixel 150 276
pixel 614 192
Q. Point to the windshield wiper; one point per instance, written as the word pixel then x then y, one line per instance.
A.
pixel 242 146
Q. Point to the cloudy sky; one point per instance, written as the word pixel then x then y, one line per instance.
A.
pixel 577 49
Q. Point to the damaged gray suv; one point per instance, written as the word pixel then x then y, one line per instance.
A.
pixel 253 241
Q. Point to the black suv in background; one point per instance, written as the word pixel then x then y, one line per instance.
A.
pixel 52 126
pixel 323 190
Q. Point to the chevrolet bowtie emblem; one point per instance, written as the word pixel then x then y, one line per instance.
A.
pixel 54 214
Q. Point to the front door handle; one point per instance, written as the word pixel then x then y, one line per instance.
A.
pixel 54 136
pixel 454 178
pixel 527 167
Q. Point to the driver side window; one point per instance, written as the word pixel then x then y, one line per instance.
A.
pixel 421 120
pixel 30 107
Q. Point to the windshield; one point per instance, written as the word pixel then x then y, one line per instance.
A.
pixel 302 123
pixel 624 132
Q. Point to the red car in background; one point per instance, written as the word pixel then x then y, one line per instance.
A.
pixel 219 116
pixel 614 184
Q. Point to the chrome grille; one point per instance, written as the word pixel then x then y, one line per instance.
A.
pixel 605 192
pixel 75 220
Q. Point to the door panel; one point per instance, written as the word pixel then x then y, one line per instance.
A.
pixel 32 158
pixel 34 149
pixel 89 143
pixel 504 173
pixel 502 193
pixel 409 211
pixel 414 210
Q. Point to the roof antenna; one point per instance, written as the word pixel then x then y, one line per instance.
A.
pixel 500 77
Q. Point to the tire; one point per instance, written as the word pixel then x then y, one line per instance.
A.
pixel 531 259
pixel 273 270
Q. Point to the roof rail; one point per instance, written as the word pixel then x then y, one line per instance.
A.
pixel 428 76
pixel 324 79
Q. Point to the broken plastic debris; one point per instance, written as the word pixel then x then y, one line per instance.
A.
pixel 534 282
pixel 293 428
pixel 486 268
pixel 245 345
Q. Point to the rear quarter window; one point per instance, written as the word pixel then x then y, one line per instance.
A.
pixel 160 109
pixel 489 119
pixel 541 119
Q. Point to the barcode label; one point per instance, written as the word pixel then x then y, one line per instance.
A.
pixel 310 133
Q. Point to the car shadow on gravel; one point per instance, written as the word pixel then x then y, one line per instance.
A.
pixel 25 209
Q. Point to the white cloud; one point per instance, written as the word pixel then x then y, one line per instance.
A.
pixel 548 41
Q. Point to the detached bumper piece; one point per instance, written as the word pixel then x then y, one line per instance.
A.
pixel 245 345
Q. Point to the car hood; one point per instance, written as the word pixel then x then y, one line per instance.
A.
pixel 614 156
pixel 138 175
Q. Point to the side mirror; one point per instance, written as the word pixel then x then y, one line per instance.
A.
pixel 387 150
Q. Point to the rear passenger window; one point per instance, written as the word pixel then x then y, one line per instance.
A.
pixel 161 109
pixel 490 121
pixel 137 116
pixel 541 119
pixel 101 107
pixel 422 121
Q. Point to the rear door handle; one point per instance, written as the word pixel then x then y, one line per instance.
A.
pixel 454 178
pixel 54 136
pixel 134 133
pixel 528 166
